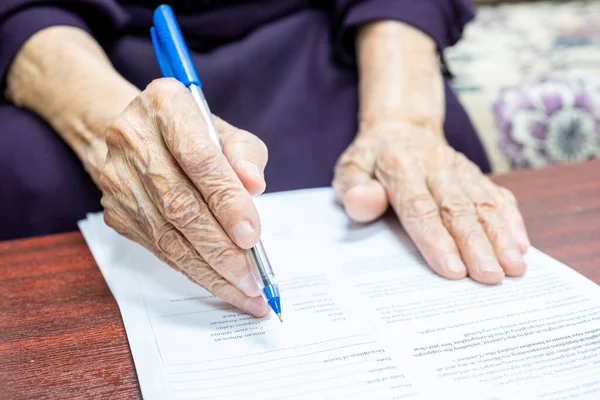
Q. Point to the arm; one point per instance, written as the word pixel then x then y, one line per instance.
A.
pixel 441 20
pixel 64 76
pixel 164 183
pixel 400 76
pixel 460 221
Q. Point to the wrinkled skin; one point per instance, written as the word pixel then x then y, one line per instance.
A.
pixel 460 221
pixel 167 186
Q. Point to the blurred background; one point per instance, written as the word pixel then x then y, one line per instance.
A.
pixel 528 73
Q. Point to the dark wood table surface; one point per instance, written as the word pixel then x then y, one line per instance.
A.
pixel 61 334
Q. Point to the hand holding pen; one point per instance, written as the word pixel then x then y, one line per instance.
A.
pixel 175 61
pixel 168 186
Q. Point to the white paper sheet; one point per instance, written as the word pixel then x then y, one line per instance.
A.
pixel 364 318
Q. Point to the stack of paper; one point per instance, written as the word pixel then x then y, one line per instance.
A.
pixel 365 318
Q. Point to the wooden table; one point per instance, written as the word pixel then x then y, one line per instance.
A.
pixel 61 334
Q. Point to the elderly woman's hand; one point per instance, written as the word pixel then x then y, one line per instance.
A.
pixel 460 221
pixel 167 186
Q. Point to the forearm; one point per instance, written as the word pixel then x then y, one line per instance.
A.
pixel 400 76
pixel 65 77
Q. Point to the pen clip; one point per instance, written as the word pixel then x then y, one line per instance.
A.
pixel 171 51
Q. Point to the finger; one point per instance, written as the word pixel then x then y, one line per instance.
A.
pixel 366 202
pixel 179 253
pixel 418 213
pixel 246 153
pixel 460 218
pixel 186 135
pixel 168 243
pixel 514 218
pixel 363 197
pixel 489 203
pixel 181 205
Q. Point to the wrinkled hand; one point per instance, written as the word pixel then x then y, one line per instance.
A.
pixel 166 186
pixel 461 222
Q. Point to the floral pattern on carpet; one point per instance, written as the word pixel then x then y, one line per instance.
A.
pixel 549 121
pixel 528 76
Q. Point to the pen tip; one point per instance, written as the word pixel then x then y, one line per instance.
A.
pixel 280 317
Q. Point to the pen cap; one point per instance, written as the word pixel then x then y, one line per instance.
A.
pixel 173 46
pixel 163 63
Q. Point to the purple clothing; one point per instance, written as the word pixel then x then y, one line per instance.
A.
pixel 281 69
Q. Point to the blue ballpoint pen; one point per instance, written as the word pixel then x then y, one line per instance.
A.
pixel 174 61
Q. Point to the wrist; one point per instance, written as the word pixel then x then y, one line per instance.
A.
pixel 399 76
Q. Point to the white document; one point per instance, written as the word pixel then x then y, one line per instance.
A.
pixel 365 318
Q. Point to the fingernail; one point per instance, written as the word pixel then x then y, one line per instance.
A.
pixel 256 306
pixel 489 264
pixel 243 234
pixel 454 263
pixel 513 256
pixel 249 287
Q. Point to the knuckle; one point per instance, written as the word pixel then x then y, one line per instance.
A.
pixel 171 244
pixel 222 197
pixel 492 222
pixel 158 96
pixel 160 87
pixel 222 256
pixel 192 265
pixel 390 160
pixel 486 207
pixel 396 163
pixel 201 159
pixel 418 208
pixel 180 205
pixel 456 206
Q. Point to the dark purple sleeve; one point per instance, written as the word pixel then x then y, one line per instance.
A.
pixel 20 19
pixel 442 20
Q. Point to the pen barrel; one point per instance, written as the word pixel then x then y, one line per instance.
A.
pixel 213 133
pixel 261 266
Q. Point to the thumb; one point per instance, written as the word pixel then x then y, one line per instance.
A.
pixel 246 153
pixel 363 197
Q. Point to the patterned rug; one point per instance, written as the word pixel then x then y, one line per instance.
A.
pixel 529 76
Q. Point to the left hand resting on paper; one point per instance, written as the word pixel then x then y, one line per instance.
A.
pixel 458 218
